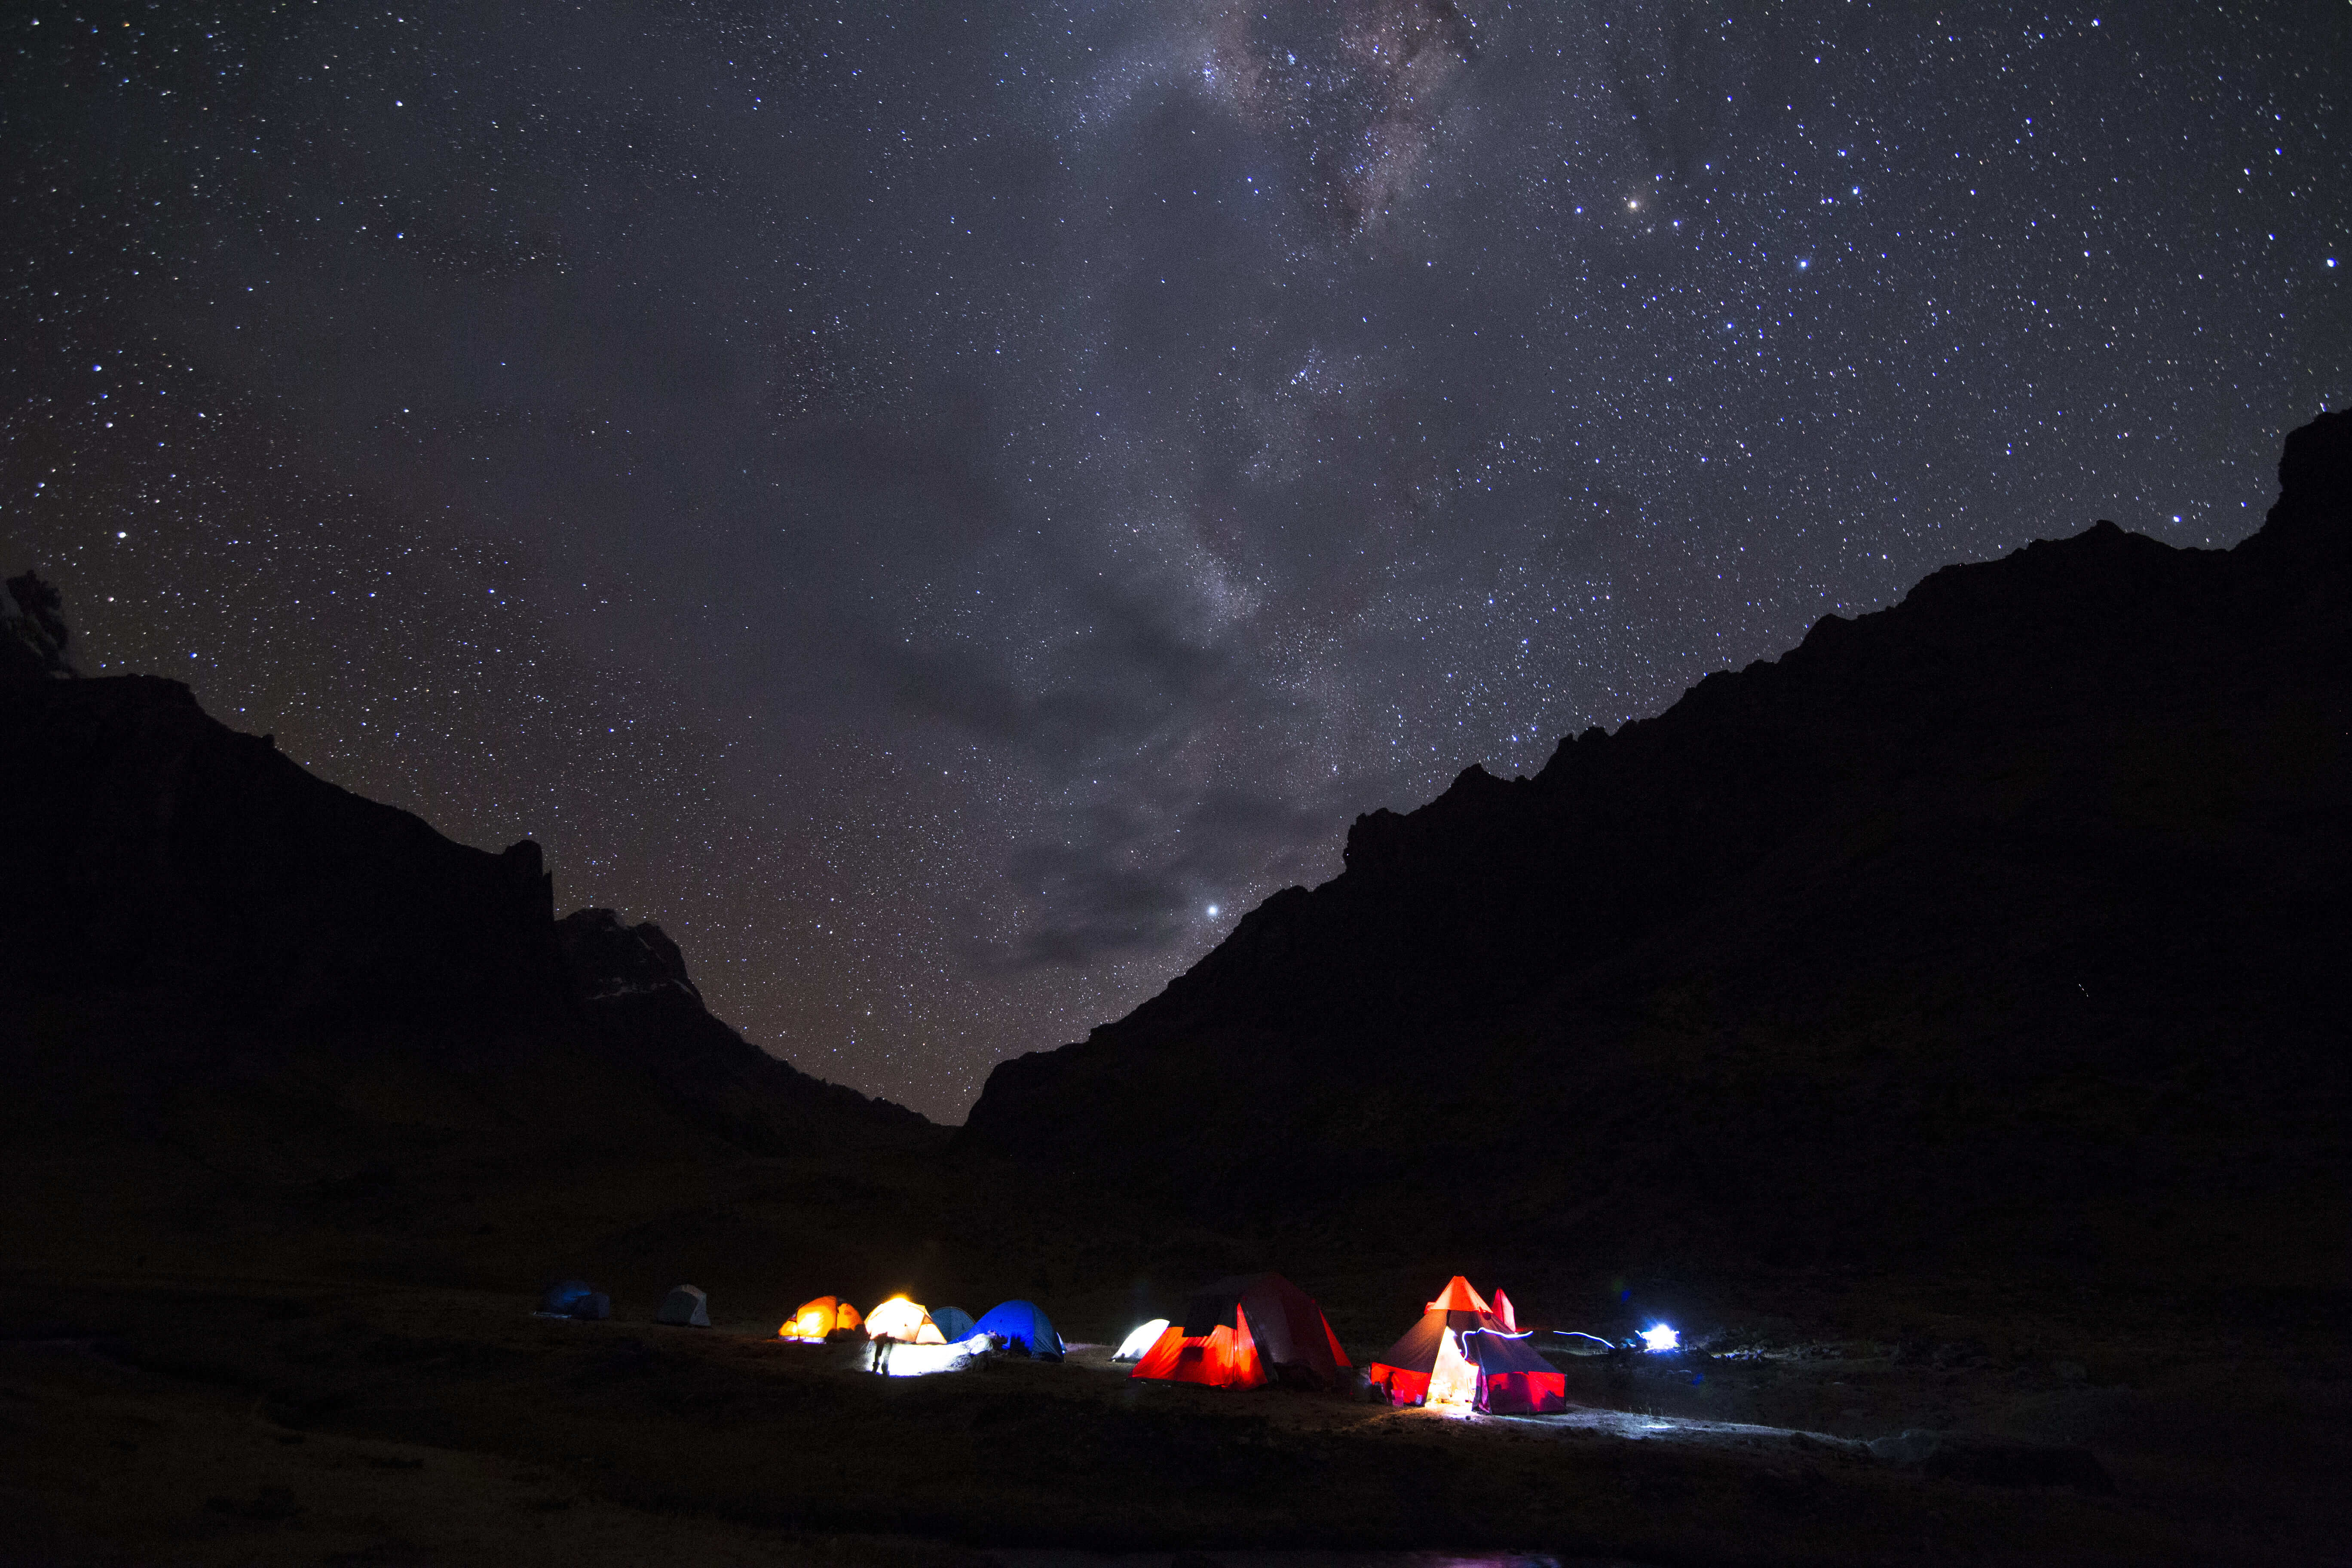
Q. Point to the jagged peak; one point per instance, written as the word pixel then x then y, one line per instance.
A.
pixel 608 957
pixel 2312 517
pixel 33 631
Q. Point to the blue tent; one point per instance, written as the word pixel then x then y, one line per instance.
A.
pixel 953 1323
pixel 575 1299
pixel 1023 1324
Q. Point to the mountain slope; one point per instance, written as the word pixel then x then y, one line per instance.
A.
pixel 1961 925
pixel 234 996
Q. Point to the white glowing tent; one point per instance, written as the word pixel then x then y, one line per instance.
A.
pixel 904 1320
pixel 1136 1345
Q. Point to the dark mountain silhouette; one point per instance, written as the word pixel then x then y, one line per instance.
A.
pixel 191 912
pixel 2009 921
pixel 640 1005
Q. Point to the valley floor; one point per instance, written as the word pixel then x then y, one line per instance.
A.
pixel 217 1420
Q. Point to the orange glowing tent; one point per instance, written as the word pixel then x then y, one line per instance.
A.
pixel 817 1319
pixel 1463 1354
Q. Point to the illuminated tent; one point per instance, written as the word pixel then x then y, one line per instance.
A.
pixel 902 1319
pixel 1224 1357
pixel 1140 1342
pixel 1246 1331
pixel 575 1299
pixel 1462 1354
pixel 825 1316
pixel 1021 1324
pixel 954 1323
pixel 686 1307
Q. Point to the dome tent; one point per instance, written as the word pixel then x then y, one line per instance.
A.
pixel 686 1307
pixel 1022 1326
pixel 904 1320
pixel 575 1299
pixel 1245 1330
pixel 1462 1352
pixel 1292 1335
pixel 1140 1341
pixel 1224 1357
pixel 822 1318
pixel 954 1323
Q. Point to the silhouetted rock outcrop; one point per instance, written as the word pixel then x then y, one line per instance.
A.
pixel 639 1004
pixel 607 957
pixel 33 635
pixel 1960 925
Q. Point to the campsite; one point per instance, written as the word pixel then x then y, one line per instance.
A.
pixel 1327 784
pixel 353 1407
pixel 360 1210
pixel 214 1405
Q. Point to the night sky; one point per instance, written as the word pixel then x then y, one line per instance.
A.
pixel 944 508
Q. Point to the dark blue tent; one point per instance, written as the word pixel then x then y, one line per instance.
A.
pixel 575 1299
pixel 1023 1324
pixel 953 1323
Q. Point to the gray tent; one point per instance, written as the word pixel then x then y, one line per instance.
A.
pixel 686 1307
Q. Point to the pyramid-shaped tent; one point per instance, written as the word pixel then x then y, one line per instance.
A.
pixel 1461 1353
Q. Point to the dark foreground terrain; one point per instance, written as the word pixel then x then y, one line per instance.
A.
pixel 255 1418
pixel 329 1369
pixel 1944 1027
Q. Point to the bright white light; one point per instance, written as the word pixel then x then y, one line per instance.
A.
pixel 921 1360
pixel 1452 1382
pixel 1660 1338
pixel 1132 1347
pixel 1213 912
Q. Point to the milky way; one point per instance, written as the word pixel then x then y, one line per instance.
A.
pixel 946 508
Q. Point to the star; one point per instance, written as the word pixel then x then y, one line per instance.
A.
pixel 922 619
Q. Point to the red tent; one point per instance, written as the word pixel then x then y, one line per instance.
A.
pixel 1222 1358
pixel 1461 1353
pixel 1247 1331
